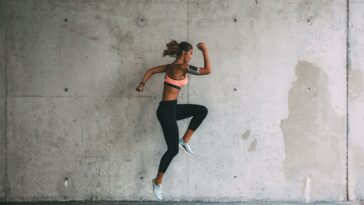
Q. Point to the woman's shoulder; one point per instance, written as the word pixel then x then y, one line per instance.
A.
pixel 180 66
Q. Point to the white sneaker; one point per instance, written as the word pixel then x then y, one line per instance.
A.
pixel 186 147
pixel 157 190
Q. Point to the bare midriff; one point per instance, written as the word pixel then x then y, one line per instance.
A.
pixel 170 93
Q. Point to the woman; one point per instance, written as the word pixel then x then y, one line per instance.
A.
pixel 169 111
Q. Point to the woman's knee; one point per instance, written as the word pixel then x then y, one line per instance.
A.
pixel 204 110
pixel 173 151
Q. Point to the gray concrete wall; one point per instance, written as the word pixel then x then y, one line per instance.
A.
pixel 2 100
pixel 276 129
pixel 356 98
pixel 276 99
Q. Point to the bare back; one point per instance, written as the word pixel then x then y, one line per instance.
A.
pixel 176 72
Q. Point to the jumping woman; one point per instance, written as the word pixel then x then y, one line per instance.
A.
pixel 169 111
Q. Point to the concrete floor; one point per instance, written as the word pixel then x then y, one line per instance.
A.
pixel 175 203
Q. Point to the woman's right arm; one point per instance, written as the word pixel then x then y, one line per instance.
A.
pixel 149 73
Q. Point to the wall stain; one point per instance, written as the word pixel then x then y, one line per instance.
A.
pixel 94 38
pixel 123 39
pixel 357 165
pixel 355 83
pixel 310 11
pixel 82 6
pixel 245 135
pixel 66 191
pixel 254 12
pixel 80 33
pixel 359 190
pixel 253 146
pixel 312 131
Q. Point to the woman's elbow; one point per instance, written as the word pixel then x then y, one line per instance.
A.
pixel 208 71
pixel 150 71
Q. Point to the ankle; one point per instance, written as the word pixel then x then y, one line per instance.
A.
pixel 157 182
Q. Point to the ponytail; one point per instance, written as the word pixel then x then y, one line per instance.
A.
pixel 172 49
pixel 175 49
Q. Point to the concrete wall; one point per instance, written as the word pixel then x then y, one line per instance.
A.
pixel 2 100
pixel 276 129
pixel 356 98
pixel 276 99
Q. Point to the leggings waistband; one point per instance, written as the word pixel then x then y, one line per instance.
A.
pixel 168 102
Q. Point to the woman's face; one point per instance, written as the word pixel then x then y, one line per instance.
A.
pixel 188 56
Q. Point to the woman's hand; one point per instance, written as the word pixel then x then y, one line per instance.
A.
pixel 202 46
pixel 140 87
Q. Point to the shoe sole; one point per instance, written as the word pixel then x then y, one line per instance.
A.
pixel 153 192
pixel 185 150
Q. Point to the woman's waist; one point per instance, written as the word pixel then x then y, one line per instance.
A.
pixel 168 101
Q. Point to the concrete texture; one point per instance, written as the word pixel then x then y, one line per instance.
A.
pixel 78 120
pixel 356 99
pixel 2 100
pixel 180 203
pixel 276 129
pixel 279 75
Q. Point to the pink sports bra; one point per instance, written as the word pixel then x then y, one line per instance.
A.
pixel 175 83
pixel 180 83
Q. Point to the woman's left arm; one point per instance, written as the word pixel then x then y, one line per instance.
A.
pixel 207 63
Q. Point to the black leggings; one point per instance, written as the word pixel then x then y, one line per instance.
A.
pixel 168 113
